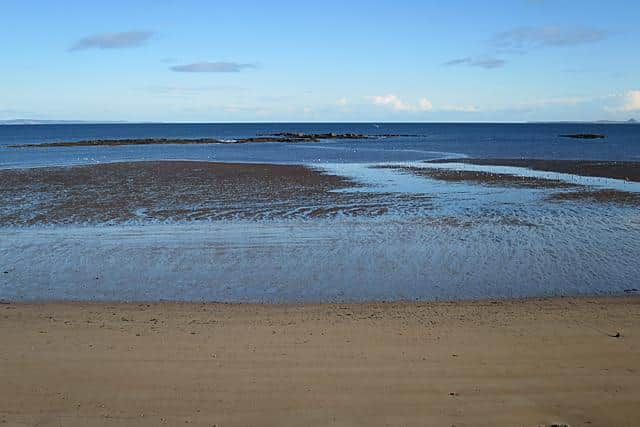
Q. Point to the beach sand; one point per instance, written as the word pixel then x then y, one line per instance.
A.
pixel 490 363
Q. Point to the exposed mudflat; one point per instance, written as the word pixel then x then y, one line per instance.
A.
pixel 598 196
pixel 487 178
pixel 629 171
pixel 177 190
pixel 139 192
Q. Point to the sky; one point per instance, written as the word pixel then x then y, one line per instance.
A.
pixel 320 61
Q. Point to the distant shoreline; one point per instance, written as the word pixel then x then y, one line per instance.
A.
pixel 27 122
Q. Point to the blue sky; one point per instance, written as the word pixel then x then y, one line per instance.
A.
pixel 215 61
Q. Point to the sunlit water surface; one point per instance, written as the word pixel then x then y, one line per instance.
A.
pixel 445 241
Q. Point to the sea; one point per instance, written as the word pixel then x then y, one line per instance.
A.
pixel 416 142
pixel 453 241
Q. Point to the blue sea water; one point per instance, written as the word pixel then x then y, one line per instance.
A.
pixel 425 141
pixel 443 241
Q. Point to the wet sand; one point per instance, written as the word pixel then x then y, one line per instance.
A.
pixel 175 190
pixel 486 178
pixel 575 192
pixel 629 171
pixel 169 191
pixel 492 363
pixel 598 196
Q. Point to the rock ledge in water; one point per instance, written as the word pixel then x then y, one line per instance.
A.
pixel 584 136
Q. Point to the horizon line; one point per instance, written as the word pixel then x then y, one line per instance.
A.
pixel 34 122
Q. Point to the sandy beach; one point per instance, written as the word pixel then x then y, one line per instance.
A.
pixel 491 363
pixel 536 362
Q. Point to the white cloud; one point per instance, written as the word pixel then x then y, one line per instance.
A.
pixel 425 104
pixel 624 103
pixel 342 102
pixel 390 101
pixel 632 101
pixel 523 39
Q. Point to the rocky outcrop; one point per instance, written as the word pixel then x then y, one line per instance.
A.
pixel 278 137
pixel 584 136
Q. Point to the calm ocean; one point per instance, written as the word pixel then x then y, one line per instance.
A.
pixel 425 141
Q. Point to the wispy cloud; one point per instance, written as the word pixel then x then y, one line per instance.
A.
pixel 459 61
pixel 189 91
pixel 11 113
pixel 571 100
pixel 483 62
pixel 212 67
pixel 565 102
pixel 112 40
pixel 342 102
pixel 461 108
pixel 523 39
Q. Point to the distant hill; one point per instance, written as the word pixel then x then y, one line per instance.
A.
pixel 630 121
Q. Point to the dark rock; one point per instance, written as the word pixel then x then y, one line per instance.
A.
pixel 583 136
pixel 286 137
